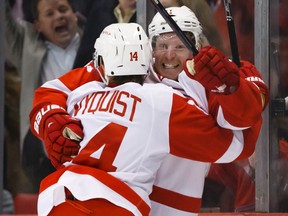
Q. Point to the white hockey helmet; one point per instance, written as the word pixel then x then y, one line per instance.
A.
pixel 183 16
pixel 124 49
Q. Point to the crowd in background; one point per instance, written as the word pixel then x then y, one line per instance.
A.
pixel 25 165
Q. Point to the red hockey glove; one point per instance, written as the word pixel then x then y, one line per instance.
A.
pixel 213 70
pixel 62 136
pixel 60 132
pixel 249 72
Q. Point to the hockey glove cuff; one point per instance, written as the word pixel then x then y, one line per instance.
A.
pixel 60 132
pixel 249 72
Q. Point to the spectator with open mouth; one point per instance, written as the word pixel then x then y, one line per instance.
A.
pixel 40 51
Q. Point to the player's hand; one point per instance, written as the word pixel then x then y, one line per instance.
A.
pixel 62 135
pixel 213 70
pixel 249 72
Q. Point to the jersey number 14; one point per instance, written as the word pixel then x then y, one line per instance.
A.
pixel 102 149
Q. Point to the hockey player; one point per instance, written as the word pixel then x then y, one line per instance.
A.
pixel 129 128
pixel 186 182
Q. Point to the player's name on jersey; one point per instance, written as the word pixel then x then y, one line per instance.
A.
pixel 118 102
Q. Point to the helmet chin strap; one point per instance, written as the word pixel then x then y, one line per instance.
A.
pixel 101 70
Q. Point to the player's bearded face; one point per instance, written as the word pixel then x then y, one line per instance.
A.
pixel 169 54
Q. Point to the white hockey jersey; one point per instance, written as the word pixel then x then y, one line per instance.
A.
pixel 179 184
pixel 151 123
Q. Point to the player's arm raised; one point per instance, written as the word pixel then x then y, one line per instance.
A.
pixel 232 100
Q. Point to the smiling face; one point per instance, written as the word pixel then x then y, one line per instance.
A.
pixel 169 54
pixel 56 21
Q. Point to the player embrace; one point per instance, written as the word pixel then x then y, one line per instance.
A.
pixel 125 128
